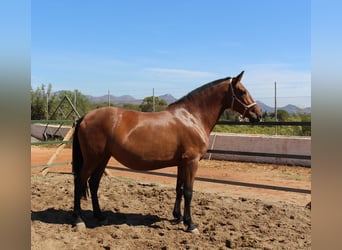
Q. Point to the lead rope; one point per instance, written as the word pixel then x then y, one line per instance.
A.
pixel 233 94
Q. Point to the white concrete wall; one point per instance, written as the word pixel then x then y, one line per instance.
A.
pixel 37 130
pixel 263 144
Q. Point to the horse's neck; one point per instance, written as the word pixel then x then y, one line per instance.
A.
pixel 207 107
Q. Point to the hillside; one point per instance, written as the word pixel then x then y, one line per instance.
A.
pixel 290 108
pixel 119 100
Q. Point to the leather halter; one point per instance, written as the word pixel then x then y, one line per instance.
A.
pixel 247 107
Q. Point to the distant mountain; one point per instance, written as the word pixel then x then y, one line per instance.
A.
pixel 264 107
pixel 114 99
pixel 119 100
pixel 291 109
pixel 168 98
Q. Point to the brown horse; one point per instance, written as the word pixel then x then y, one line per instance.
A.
pixel 177 136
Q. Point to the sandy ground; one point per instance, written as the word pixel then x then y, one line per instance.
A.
pixel 230 214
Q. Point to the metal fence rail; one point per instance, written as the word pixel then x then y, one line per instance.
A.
pixel 50 142
pixel 227 182
pixel 291 156
pixel 308 124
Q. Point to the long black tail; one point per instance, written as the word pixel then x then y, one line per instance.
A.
pixel 77 161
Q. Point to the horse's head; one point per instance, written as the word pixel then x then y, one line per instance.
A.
pixel 242 101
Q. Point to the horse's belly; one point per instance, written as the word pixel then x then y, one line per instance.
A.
pixel 138 163
pixel 146 156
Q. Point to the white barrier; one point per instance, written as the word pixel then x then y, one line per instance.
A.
pixel 293 145
pixel 37 130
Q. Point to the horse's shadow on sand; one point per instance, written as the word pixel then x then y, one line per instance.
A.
pixel 59 216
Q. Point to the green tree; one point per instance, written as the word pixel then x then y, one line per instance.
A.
pixel 37 106
pixel 306 130
pixel 147 104
pixel 282 115
pixel 131 106
pixel 42 102
pixel 230 115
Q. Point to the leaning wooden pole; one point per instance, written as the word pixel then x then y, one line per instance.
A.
pixel 58 150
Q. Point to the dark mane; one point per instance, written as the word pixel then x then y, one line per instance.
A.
pixel 199 89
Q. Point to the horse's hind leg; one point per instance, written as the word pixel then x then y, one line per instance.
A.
pixel 78 192
pixel 94 182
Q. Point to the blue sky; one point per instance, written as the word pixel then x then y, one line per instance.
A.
pixel 130 47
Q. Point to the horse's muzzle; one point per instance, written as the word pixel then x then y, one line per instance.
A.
pixel 255 117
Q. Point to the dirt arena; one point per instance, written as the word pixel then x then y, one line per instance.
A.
pixel 229 214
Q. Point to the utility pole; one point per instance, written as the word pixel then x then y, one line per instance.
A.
pixel 108 98
pixel 153 101
pixel 47 106
pixel 75 98
pixel 275 106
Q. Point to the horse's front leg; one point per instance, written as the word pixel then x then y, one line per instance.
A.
pixel 94 185
pixel 94 182
pixel 190 170
pixel 179 194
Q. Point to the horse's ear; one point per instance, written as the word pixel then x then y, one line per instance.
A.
pixel 238 77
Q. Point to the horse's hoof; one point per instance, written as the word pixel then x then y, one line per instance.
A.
pixel 194 231
pixel 80 226
pixel 78 222
pixel 177 220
